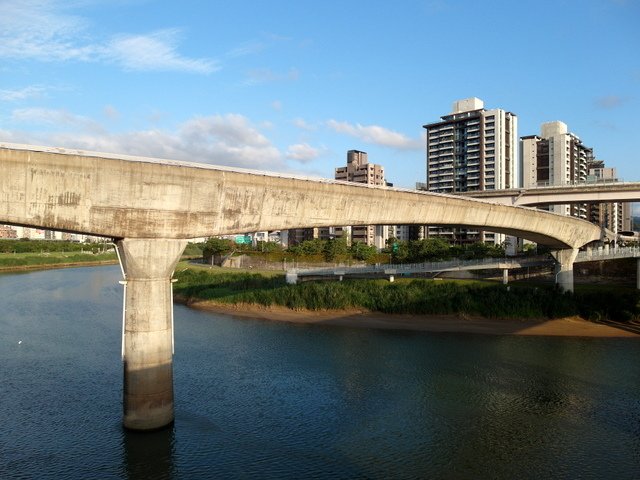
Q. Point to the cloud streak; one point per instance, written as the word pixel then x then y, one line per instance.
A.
pixel 41 30
pixel 302 152
pixel 375 134
pixel 153 52
pixel 229 139
pixel 32 91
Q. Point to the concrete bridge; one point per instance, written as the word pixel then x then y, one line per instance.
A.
pixel 151 207
pixel 390 271
pixel 563 194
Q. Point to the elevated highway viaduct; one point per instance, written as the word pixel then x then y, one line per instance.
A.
pixel 152 207
pixel 564 194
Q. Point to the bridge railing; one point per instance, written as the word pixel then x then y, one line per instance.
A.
pixel 608 254
pixel 454 264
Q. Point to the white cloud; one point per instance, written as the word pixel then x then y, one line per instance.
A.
pixel 41 30
pixel 302 152
pixel 247 48
pixel 155 51
pixel 302 124
pixel 219 139
pixel 59 118
pixel 376 135
pixel 111 112
pixel 33 91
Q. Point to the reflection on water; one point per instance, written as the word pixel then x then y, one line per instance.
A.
pixel 149 455
pixel 269 400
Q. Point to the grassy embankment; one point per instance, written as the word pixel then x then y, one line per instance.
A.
pixel 33 255
pixel 32 260
pixel 412 296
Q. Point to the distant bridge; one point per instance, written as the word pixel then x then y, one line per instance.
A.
pixel 390 271
pixel 604 192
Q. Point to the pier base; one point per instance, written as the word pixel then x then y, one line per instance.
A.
pixel 147 348
pixel 564 268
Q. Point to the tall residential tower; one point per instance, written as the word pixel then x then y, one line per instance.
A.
pixel 472 149
pixel 359 170
pixel 555 157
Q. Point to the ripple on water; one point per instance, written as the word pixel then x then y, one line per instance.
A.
pixel 257 399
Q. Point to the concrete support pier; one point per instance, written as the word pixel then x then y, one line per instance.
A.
pixel 147 340
pixel 564 268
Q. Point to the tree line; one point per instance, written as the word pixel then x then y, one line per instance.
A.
pixel 396 251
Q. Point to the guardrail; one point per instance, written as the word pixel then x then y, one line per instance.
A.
pixel 456 264
pixel 608 254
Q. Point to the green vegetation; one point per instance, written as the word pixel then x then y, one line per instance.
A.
pixel 415 296
pixel 193 250
pixel 33 260
pixel 40 246
pixel 337 250
pixel 16 254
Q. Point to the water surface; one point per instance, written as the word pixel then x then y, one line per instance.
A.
pixel 258 399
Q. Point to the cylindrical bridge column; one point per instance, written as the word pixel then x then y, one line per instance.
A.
pixel 147 349
pixel 564 268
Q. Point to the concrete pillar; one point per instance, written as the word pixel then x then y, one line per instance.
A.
pixel 505 276
pixel 564 267
pixel 291 278
pixel 147 349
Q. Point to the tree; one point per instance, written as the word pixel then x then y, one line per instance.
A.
pixel 429 249
pixel 400 252
pixel 268 247
pixel 334 247
pixel 483 250
pixel 312 247
pixel 362 251
pixel 217 246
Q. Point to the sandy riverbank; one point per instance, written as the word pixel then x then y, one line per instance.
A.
pixel 566 327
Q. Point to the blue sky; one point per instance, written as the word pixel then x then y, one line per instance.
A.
pixel 292 85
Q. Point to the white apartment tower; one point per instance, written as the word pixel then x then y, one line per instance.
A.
pixel 472 148
pixel 359 170
pixel 615 216
pixel 555 157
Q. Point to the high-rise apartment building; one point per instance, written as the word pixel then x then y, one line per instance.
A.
pixel 359 170
pixel 555 157
pixel 471 148
pixel 615 216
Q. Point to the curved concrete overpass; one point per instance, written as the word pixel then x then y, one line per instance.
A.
pixel 563 194
pixel 132 197
pixel 151 207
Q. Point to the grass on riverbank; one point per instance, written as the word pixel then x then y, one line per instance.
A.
pixel 412 296
pixel 13 261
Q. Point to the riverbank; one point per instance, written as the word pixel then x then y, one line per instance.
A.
pixel 573 326
pixel 50 266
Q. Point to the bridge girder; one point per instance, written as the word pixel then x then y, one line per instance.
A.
pixel 132 197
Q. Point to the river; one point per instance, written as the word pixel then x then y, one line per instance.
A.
pixel 259 399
